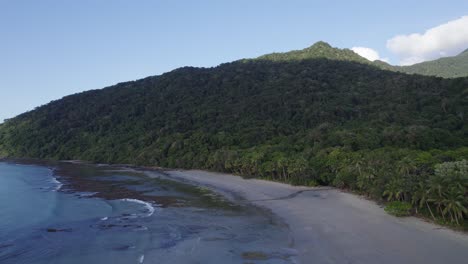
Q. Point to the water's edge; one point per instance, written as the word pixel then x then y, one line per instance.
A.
pixel 213 229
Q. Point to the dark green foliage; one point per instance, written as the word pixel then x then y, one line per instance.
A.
pixel 307 121
pixel 398 208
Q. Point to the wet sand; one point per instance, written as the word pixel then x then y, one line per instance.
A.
pixel 330 226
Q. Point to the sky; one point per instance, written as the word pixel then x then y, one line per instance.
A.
pixel 50 49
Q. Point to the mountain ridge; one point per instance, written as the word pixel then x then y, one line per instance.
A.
pixel 319 49
pixel 446 67
pixel 249 71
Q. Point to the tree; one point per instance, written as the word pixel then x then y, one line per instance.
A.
pixel 454 203
pixel 448 189
pixel 396 189
pixel 420 197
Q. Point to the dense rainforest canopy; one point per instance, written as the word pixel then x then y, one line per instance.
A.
pixel 318 119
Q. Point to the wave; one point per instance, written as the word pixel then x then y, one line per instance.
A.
pixel 86 194
pixel 57 183
pixel 147 205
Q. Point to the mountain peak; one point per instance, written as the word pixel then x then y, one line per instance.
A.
pixel 321 44
pixel 319 50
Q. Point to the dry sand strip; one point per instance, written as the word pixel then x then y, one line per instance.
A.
pixel 330 226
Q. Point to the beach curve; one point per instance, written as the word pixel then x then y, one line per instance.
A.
pixel 331 226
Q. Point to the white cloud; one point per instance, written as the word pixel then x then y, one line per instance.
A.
pixel 447 39
pixel 368 53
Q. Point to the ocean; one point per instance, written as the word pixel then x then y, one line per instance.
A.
pixel 82 213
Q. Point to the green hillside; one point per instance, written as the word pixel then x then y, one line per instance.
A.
pixel 448 67
pixel 318 50
pixel 324 118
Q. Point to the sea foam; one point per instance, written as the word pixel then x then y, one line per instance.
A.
pixel 57 183
pixel 147 205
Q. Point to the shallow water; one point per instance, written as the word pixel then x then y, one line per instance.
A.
pixel 69 213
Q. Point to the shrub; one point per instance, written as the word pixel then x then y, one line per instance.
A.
pixel 398 208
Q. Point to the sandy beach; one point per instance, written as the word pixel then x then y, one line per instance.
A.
pixel 331 226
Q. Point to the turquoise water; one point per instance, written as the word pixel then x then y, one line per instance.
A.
pixel 88 214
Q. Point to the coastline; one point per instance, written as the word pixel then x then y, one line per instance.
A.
pixel 331 226
pixel 116 214
pixel 328 225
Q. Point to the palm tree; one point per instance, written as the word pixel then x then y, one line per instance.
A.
pixel 448 189
pixel 421 197
pixel 436 188
pixel 453 204
pixel 395 189
pixel 405 167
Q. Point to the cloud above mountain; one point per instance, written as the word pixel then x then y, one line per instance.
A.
pixel 444 40
pixel 368 53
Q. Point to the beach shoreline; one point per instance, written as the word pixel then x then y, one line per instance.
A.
pixel 118 214
pixel 332 226
pixel 328 225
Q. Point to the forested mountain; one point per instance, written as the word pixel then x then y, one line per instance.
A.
pixel 448 67
pixel 323 50
pixel 318 50
pixel 325 118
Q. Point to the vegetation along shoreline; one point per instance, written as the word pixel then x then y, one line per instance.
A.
pixel 318 116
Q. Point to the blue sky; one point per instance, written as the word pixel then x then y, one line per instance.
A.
pixel 49 49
